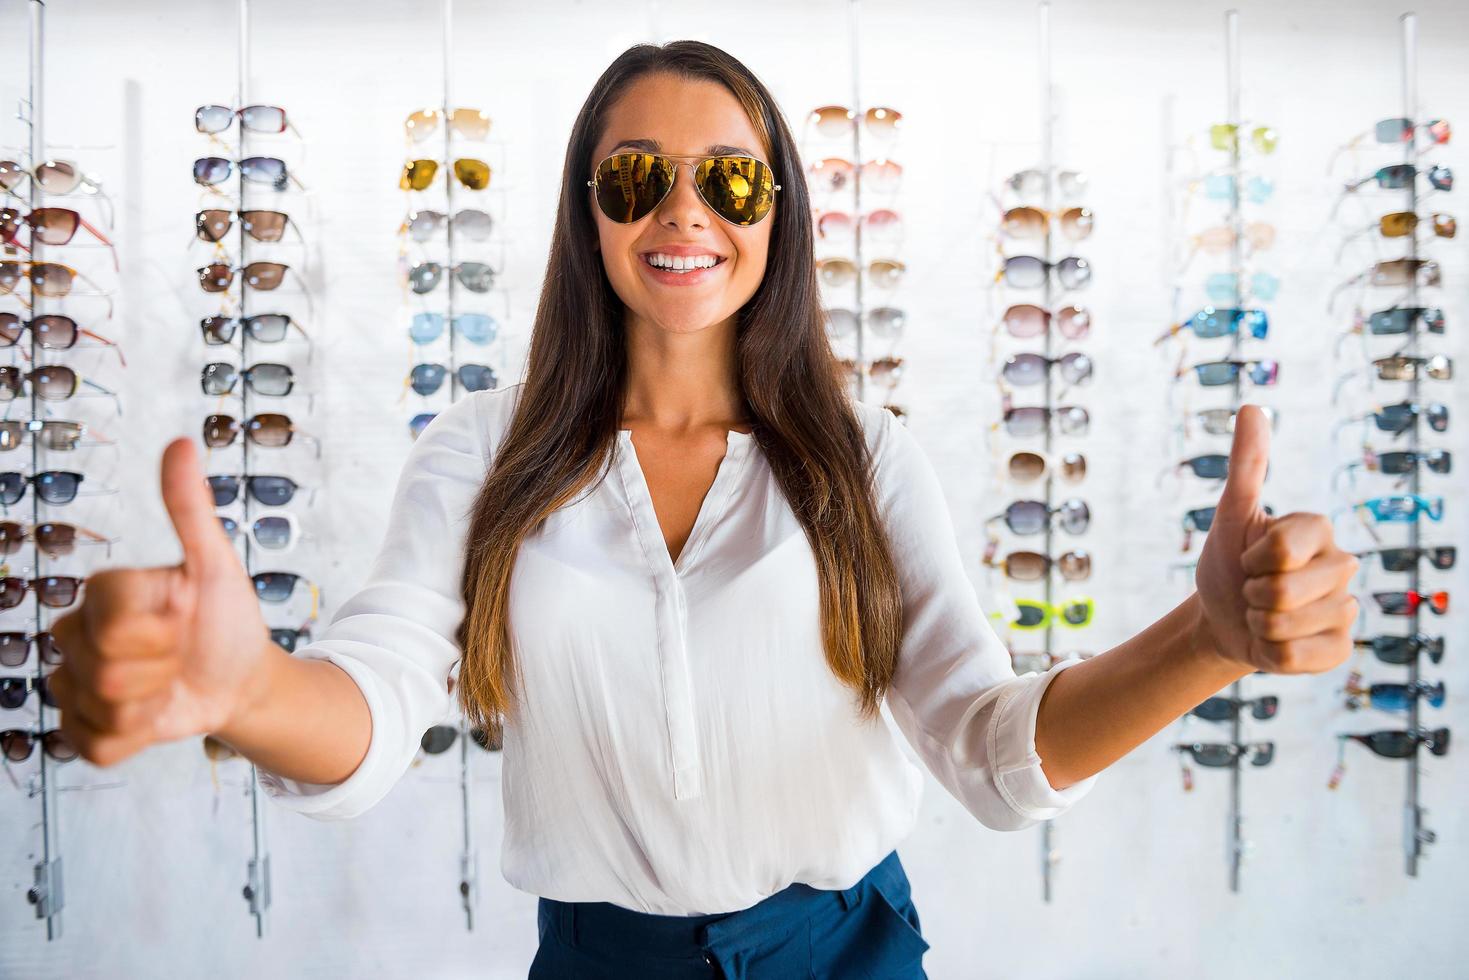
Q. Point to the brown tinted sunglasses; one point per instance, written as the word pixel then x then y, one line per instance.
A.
pixel 54 539
pixel 55 591
pixel 51 279
pixel 269 429
pixel 51 332
pixel 216 277
pixel 213 224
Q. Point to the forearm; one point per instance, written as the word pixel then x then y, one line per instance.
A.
pixel 1098 711
pixel 306 720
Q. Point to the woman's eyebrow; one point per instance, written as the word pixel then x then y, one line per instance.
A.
pixel 714 149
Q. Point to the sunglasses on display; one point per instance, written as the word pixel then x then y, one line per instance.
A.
pixel 1222 755
pixel 1402 508
pixel 50 226
pixel 212 224
pixel 269 429
pixel 52 486
pixel 881 225
pixel 1027 369
pixel 1228 289
pixel 1214 373
pixel 263 378
pixel 738 188
pixel 270 490
pixel 1401 224
pixel 1032 614
pixel 1024 321
pixel 1401 745
pixel 278 587
pixel 1032 566
pixel 419 422
pixel 1257 235
pixel 887 371
pixel 1387 696
pixel 440 738
pixel 1030 271
pixel 18 745
pixel 1200 519
pixel 1400 367
pixel 1207 466
pixel 1075 223
pixel 51 332
pixel 1402 650
pixel 52 539
pixel 882 273
pixel 14 691
pixel 1424 273
pixel 212 171
pixel 477 328
pixel 472 124
pixel 1441 557
pixel 427 379
pixel 1071 420
pixel 53 591
pixel 835 121
pixel 1397 176
pixel 54 434
pixel 1221 187
pixel 1408 603
pixel 1402 319
pixel 1211 322
pixel 266 328
pixel 1026 517
pixel 1227 709
pixel 212 119
pixel 1027 467
pixel 58 177
pixel 272 532
pixel 1400 130
pixel 1399 418
pixel 15 648
pixel 477 277
pixel 289 639
pixel 418 175
pixel 1220 421
pixel 833 175
pixel 1040 662
pixel 1227 137
pixel 472 223
pixel 50 279
pixel 1032 183
pixel 51 383
pixel 884 322
pixel 217 277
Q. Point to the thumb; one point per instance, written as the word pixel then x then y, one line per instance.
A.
pixel 1249 458
pixel 191 507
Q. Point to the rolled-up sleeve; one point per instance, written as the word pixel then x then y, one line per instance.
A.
pixel 955 695
pixel 395 637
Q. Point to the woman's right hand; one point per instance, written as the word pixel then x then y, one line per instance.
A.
pixel 157 654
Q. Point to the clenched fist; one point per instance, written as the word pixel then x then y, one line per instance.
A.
pixel 1273 589
pixel 156 654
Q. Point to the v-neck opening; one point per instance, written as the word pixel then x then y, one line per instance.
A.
pixel 711 507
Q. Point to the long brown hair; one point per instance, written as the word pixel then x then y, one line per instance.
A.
pixel 568 413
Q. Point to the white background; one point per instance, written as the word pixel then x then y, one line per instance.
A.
pixel 154 866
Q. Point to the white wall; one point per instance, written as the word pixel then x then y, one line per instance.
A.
pixel 154 867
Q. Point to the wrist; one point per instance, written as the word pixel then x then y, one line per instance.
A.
pixel 1206 650
pixel 256 692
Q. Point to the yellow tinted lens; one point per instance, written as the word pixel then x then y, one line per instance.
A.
pixel 474 174
pixel 1398 224
pixel 1265 139
pixel 421 124
pixel 472 124
pixel 630 185
pixel 418 175
pixel 738 189
pixel 1222 135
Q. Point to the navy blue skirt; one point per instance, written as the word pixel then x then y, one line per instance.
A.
pixel 870 930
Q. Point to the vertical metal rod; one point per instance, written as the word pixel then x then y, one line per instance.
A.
pixel 1236 221
pixel 47 887
pixel 449 181
pixel 1414 836
pixel 854 33
pixel 1047 167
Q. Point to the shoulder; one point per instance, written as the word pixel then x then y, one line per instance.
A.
pixel 888 439
pixel 474 424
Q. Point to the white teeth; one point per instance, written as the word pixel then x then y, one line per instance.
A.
pixel 681 263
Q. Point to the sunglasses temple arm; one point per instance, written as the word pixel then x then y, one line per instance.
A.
pixel 106 391
pixel 109 343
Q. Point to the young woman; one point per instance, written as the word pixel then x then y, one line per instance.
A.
pixel 679 571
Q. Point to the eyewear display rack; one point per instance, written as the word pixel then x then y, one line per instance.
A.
pixel 854 32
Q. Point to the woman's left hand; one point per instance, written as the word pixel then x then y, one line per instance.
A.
pixel 1273 590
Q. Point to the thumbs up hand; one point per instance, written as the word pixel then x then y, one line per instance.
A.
pixel 156 654
pixel 1273 589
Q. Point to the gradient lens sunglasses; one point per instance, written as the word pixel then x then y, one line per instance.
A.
pixel 15 690
pixel 885 322
pixel 51 332
pixel 477 277
pixel 880 225
pixel 18 745
pixel 270 490
pixel 1025 320
pixel 1027 467
pixel 833 175
pixel 472 124
pixel 53 591
pixel 1390 696
pixel 1214 373
pixel 269 429
pixel 1032 420
pixel 1025 517
pixel 477 328
pixel 427 379
pixel 1220 421
pixel 1032 614
pixel 471 223
pixel 1075 223
pixel 1033 182
pixel 15 647
pixel 54 434
pixel 272 532
pixel 51 383
pixel 1030 271
pixel 217 277
pixel 212 224
pixel 52 486
pixel 51 279
pixel 739 188
pixel 835 121
pixel 1227 709
pixel 1401 224
pixel 1220 187
pixel 50 226
pixel 1032 566
pixel 1402 650
pixel 471 172
pixel 211 119
pixel 1211 322
pixel 1408 603
pixel 1441 557
pixel 440 738
pixel 1226 288
pixel 839 271
pixel 278 587
pixel 212 171
pixel 264 378
pixel 1026 369
pixel 266 328
pixel 1226 137
pixel 1402 367
pixel 53 539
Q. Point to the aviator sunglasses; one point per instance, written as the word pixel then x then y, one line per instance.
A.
pixel 737 187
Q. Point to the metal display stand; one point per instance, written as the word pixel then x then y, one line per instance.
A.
pixel 854 32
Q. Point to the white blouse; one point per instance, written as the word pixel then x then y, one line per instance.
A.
pixel 682 747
